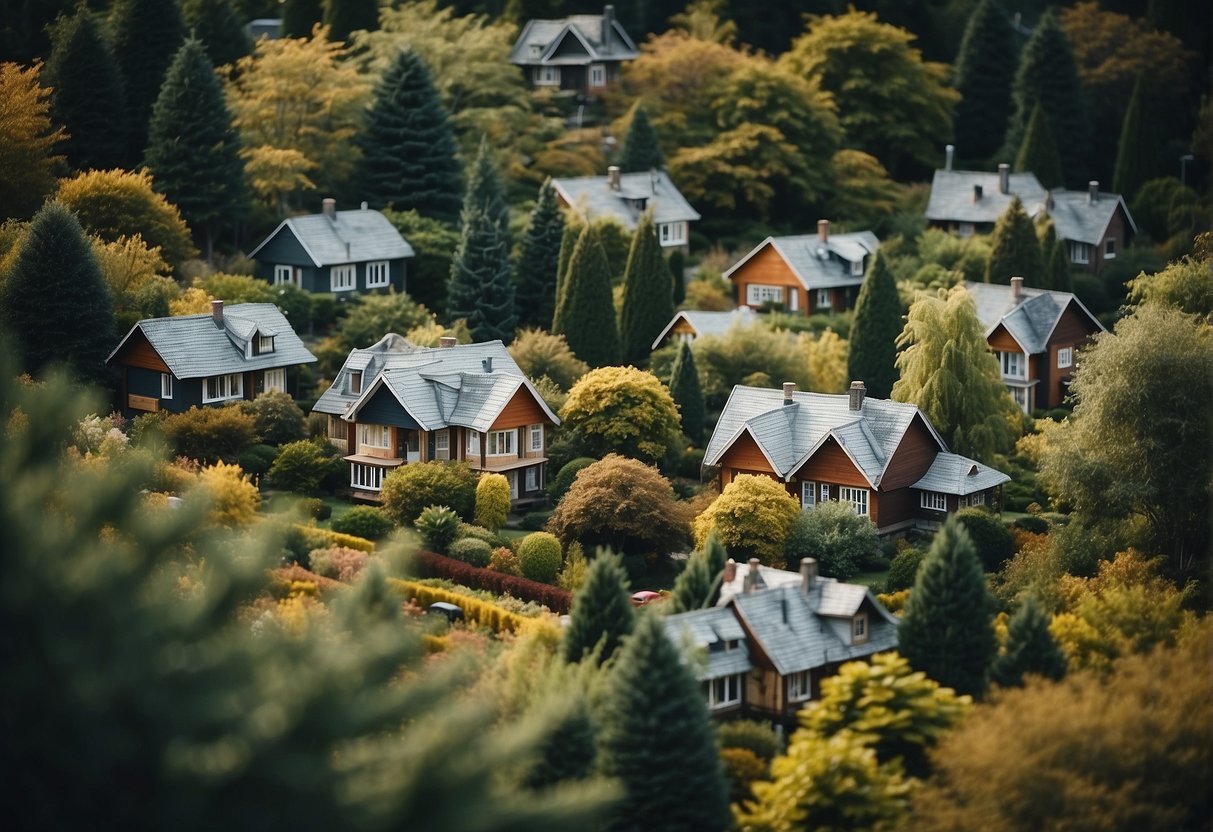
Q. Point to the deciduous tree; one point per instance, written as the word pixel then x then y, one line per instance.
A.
pixel 624 410
pixel 539 354
pixel 88 97
pixel 28 161
pixel 648 302
pixel 147 35
pixel 539 260
pixel 873 354
pixel 984 69
pixel 836 536
pixel 752 518
pixel 602 615
pixel 585 311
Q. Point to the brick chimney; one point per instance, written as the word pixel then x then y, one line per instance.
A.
pixel 608 21
pixel 730 571
pixel 1016 288
pixel 613 177
pixel 217 313
pixel 1004 178
pixel 823 230
pixel 949 153
pixel 1093 191
pixel 977 193
pixel 808 574
pixel 856 395
pixel 751 576
pixel 330 208
pixel 789 387
pixel 445 342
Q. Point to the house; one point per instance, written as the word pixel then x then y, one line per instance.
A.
pixel 806 273
pixel 235 353
pixel 690 324
pixel 623 197
pixel 1036 334
pixel 264 27
pixel 775 635
pixel 881 456
pixel 395 403
pixel 335 251
pixel 582 53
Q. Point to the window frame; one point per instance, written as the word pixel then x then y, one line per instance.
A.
pixel 535 437
pixel 371 479
pixel 373 268
pixel 856 497
pixel 823 493
pixel 857 268
pixel 442 441
pixel 1080 253
pixel 927 500
pixel 532 478
pixel 759 293
pixel 597 75
pixel 977 499
pixel 382 434
pixel 166 386
pixel 719 697
pixel 802 682
pixel 276 373
pixel 338 276
pixel 808 488
pixel 546 76
pixel 355 382
pixel 233 392
pixel 1065 358
pixel 473 443
pixel 1017 361
pixel 860 632
pixel 1109 248
pixel 259 346
pixel 498 438
pixel 824 299
pixel 284 275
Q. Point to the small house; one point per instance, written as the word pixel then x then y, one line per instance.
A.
pixel 690 324
pixel 582 53
pixel 623 197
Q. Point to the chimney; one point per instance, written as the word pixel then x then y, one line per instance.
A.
pixel 445 342
pixel 1016 288
pixel 608 21
pixel 330 208
pixel 1004 178
pixel 1048 202
pixel 977 193
pixel 949 153
pixel 217 312
pixel 856 394
pixel 1093 191
pixel 808 574
pixel 487 364
pixel 613 177
pixel 364 205
pixel 730 571
pixel 789 387
pixel 823 230
pixel 751 576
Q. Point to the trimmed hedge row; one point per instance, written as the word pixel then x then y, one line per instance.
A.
pixel 476 611
pixel 431 565
pixel 326 538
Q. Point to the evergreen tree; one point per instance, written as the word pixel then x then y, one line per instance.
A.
pixel 641 148
pixel 193 151
pixel 484 188
pixel 1015 250
pixel 1030 648
pixel 676 263
pixel 345 16
pixel 408 149
pixel 56 306
pixel 602 614
pixel 568 242
pixel 147 34
pixel 585 315
pixel 873 353
pixel 1135 159
pixel 647 298
pixel 699 583
pixel 299 16
pixel 983 73
pixel 87 97
pixel 946 631
pixel 219 27
pixel 687 393
pixel 569 751
pixel 539 260
pixel 658 741
pixel 1038 153
pixel 1048 75
pixel 1057 270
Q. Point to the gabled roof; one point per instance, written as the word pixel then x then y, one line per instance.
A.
pixel 709 323
pixel 952 200
pixel 959 475
pixel 1076 217
pixel 352 237
pixel 1031 319
pixel 193 346
pixel 586 28
pixel 818 264
pixel 718 634
pixel 594 197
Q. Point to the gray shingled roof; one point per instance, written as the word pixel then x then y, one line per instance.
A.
pixel 952 195
pixel 959 475
pixel 594 197
pixel 354 237
pixel 547 34
pixel 702 634
pixel 1076 217
pixel 194 347
pixel 820 265
pixel 709 323
pixel 1031 319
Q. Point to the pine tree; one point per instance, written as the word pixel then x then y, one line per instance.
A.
pixel 946 631
pixel 1135 158
pixel 1058 269
pixel 873 353
pixel 1015 251
pixel 569 751
pixel 1038 153
pixel 484 188
pixel 602 613
pixel 217 24
pixel 539 260
pixel 983 72
pixel 641 148
pixel 147 34
pixel 193 151
pixel 299 16
pixel 345 16
pixel 56 306
pixel 585 315
pixel 87 97
pixel 648 303
pixel 698 584
pixel 688 394
pixel 568 242
pixel 676 263
pixel 408 149
pixel 1031 648
pixel 658 742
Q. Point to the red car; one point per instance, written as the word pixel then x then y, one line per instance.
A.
pixel 645 596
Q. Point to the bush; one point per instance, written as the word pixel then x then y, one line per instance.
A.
pixel 903 569
pixel 566 475
pixel 483 613
pixel 991 538
pixel 307 538
pixel 752 735
pixel 492 501
pixel 303 466
pixel 338 562
pixel 752 518
pixel 535 521
pixel 575 569
pixel 505 561
pixel 742 766
pixel 1035 525
pixel 363 521
pixel 540 353
pixel 540 557
pixel 438 526
pixel 841 540
pixel 316 508
pixel 276 417
pixel 317 426
pixel 210 434
pixel 471 550
pixel 430 565
pixel 256 461
pixel 410 488
pixel 234 500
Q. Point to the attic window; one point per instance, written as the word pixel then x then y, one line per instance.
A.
pixel 265 343
pixel 859 628
pixel 973 470
pixel 355 381
pixel 536 50
pixel 730 644
pixel 857 267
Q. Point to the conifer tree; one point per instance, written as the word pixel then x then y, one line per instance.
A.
pixel 1135 159
pixel 219 27
pixel 658 742
pixel 602 614
pixel 539 261
pixel 1058 275
pixel 299 16
pixel 585 315
pixel 87 97
pixel 641 148
pixel 193 151
pixel 873 352
pixel 946 631
pixel 1015 251
pixel 648 302
pixel 408 149
pixel 345 16
pixel 1030 649
pixel 55 303
pixel 568 242
pixel 569 751
pixel 676 263
pixel 147 34
pixel 688 394
pixel 983 73
pixel 1038 153
pixel 699 583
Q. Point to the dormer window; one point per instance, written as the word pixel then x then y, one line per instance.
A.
pixel 355 382
pixel 857 267
pixel 859 628
pixel 264 344
pixel 536 50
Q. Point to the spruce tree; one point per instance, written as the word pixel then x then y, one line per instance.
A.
pixel 193 151
pixel 1038 153
pixel 602 614
pixel 539 260
pixel 688 394
pixel 408 149
pixel 1014 250
pixel 1057 269
pixel 345 16
pixel 480 290
pixel 147 34
pixel 217 24
pixel 648 302
pixel 696 587
pixel 641 148
pixel 585 315
pixel 1030 649
pixel 1135 156
pixel 299 16
pixel 568 242
pixel 946 630
pixel 873 353
pixel 569 751
pixel 657 740
pixel 676 263
pixel 87 98
pixel 983 73
pixel 56 306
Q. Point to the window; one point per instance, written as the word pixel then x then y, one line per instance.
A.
pixel 933 501
pixel 673 233
pixel 1065 357
pixel 859 628
pixel 825 493
pixel 808 494
pixel 501 443
pixel 442 444
pixel 857 497
pixel 532 478
pixel 284 275
pixel 342 279
pixel 375 436
pixel 1080 252
pixel 221 388
pixel 264 344
pixel 978 499
pixel 824 299
pixel 274 381
pixel 1013 364
pixel 536 50
pixel 799 687
pixel 536 433
pixel 965 230
pixel 1109 248
pixel 473 443
pixel 1020 395
pixel 597 75
pixel 857 267
pixel 377 274
pixel 355 382
pixel 724 691
pixel 731 644
pixel 337 428
pixel 547 76
pixel 166 386
pixel 758 294
pixel 367 477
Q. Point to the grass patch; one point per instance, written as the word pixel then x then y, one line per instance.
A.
pixel 872 580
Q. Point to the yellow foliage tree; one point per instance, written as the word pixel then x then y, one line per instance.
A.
pixel 234 499
pixel 826 357
pixel 128 263
pixel 492 501
pixel 28 162
pixel 622 409
pixel 752 518
pixel 193 301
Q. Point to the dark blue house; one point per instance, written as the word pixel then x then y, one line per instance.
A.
pixel 335 251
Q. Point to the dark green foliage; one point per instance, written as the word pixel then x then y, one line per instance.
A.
pixel 362 521
pixel 299 16
pixel 568 752
pixel 752 735
pixel 540 557
pixel 687 393
pixel 55 305
pixel 990 537
pixel 304 466
pixel 647 298
pixel 983 73
pixel 565 476
pixel 657 740
pixel 218 25
pixel 696 587
pixel 873 343
pixel 277 418
pixel 1136 155
pixel 568 242
pixel 345 16
pixel 585 314
pixel 641 148
pixel 1153 207
pixel 434 242
pixel 438 527
pixel 88 96
pixel 410 488
pixel 256 461
pixel 1015 251
pixel 602 614
pixel 903 569
pixel 147 34
pixel 1030 648
pixel 1038 153
pixel 539 261
pixel 1032 523
pixel 408 149
pixel 471 550
pixel 193 152
pixel 841 540
pixel 1057 269
pixel 676 263
pixel 946 629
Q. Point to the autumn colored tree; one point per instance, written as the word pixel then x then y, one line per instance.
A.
pixel 539 260
pixel 87 93
pixel 863 193
pixel 982 74
pixel 752 354
pixel 648 302
pixel 147 35
pixel 218 25
pixel 826 359
pixel 641 147
pixel 1038 153
pixel 687 394
pixel 602 615
pixel 539 354
pixel 622 410
pixel 873 353
pixel 752 518
pixel 28 161
pixel 1016 250
pixel 585 311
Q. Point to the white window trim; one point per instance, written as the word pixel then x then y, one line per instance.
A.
pixel 857 268
pixel 234 382
pixel 375 436
pixel 166 385
pixel 759 293
pixel 355 382
pixel 284 275
pixel 978 498
pixel 824 496
pixel 532 478
pixel 1109 248
pixel 1021 397
pixel 274 380
pixel 673 233
pixel 859 628
pixel 378 274
pixel 442 441
pixel 1065 357
pixel 474 443
pixel 500 439
pixel 265 344
pixel 857 497
pixel 343 278
pixel 366 477
pixel 597 75
pixel 808 495
pixel 800 686
pixel 536 437
pixel 1080 252
pixel 933 500
pixel 546 76
pixel 824 299
pixel 727 694
pixel 1013 365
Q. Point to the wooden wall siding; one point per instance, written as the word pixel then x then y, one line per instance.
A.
pixel 1001 341
pixel 768 268
pixel 893 507
pixel 914 455
pixel 138 352
pixel 521 410
pixel 744 456
pixel 831 464
pixel 1118 230
pixel 1074 327
pixel 682 326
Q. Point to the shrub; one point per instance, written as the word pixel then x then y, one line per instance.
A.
pixel 833 533
pixel 903 569
pixel 410 488
pixel 480 533
pixel 566 475
pixel 256 461
pixel 307 538
pixel 302 467
pixel 492 501
pixel 234 500
pixel 276 417
pixel 535 521
pixel 210 434
pixel 315 508
pixel 1035 525
pixel 540 557
pixel 991 538
pixel 622 410
pixel 505 561
pixel 540 353
pixel 757 737
pixel 363 521
pixel 471 550
pixel 338 562
pixel 752 518
pixel 430 565
pixel 575 569
pixel 894 602
pixel 742 766
pixel 438 526
pixel 477 611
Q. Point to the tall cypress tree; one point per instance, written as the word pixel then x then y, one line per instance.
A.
pixel 345 16
pixel 1038 153
pixel 677 262
pixel 539 261
pixel 873 354
pixel 1015 250
pixel 484 188
pixel 299 16
pixel 147 34
pixel 1136 161
pixel 648 302
pixel 568 241
pixel 1031 648
pixel 946 631
pixel 602 612
pixel 983 73
pixel 687 393
pixel 641 147
pixel 697 587
pixel 658 742
pixel 585 315
pixel 569 751
pixel 408 149
pixel 219 27
pixel 88 98
pixel 1057 269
